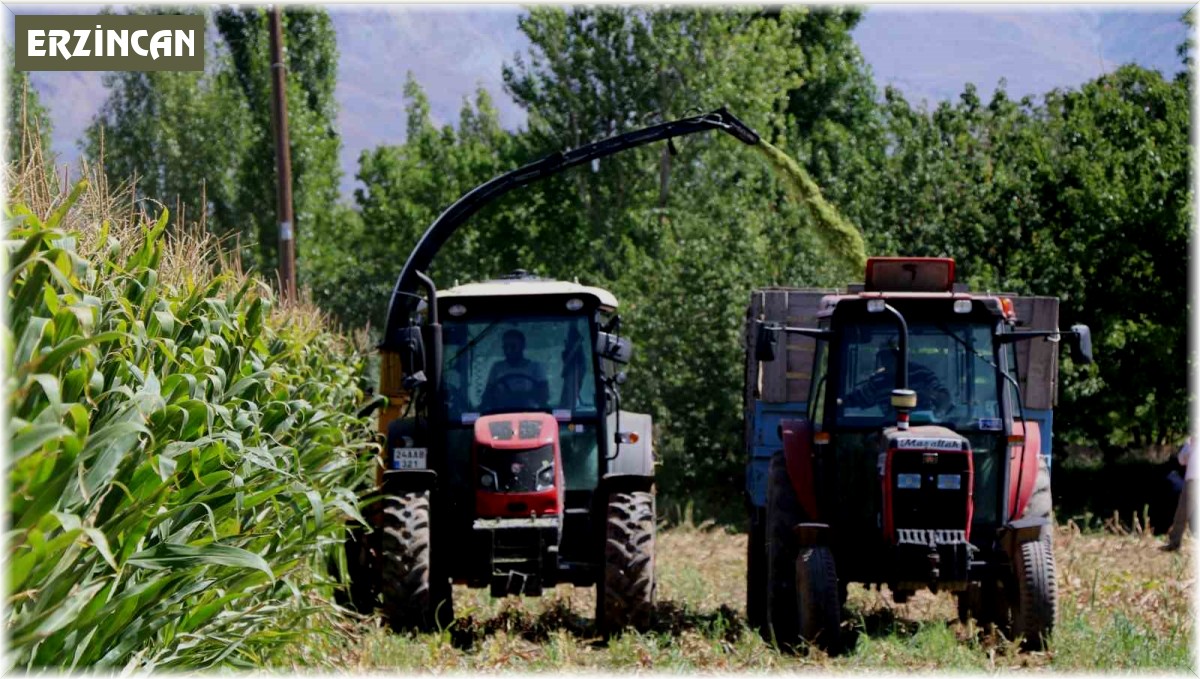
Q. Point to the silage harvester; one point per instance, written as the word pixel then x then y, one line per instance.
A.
pixel 509 462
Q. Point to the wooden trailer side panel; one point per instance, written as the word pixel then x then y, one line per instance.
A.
pixel 1037 359
pixel 785 379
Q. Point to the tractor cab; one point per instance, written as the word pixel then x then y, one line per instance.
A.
pixel 522 344
pixel 911 460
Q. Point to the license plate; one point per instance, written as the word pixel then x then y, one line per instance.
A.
pixel 409 458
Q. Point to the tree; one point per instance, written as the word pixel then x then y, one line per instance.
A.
pixel 311 53
pixel 404 188
pixel 178 136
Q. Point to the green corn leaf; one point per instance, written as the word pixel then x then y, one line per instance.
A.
pixel 33 437
pixel 174 556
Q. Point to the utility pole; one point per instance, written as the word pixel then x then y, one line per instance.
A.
pixel 283 160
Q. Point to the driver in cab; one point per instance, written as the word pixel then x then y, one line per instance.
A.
pixel 877 390
pixel 516 381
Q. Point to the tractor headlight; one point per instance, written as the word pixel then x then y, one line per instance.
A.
pixel 908 481
pixel 949 482
pixel 487 479
pixel 545 477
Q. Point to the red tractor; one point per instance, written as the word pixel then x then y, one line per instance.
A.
pixel 905 456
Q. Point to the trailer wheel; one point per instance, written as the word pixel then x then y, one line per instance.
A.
pixel 625 595
pixel 1035 606
pixel 783 513
pixel 414 598
pixel 817 600
pixel 756 573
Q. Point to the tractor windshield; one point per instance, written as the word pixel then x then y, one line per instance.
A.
pixel 948 367
pixel 518 363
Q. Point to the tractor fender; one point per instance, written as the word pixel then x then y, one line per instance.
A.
pixel 1015 533
pixel 812 534
pixel 1023 466
pixel 396 481
pixel 797 453
pixel 625 483
pixel 635 454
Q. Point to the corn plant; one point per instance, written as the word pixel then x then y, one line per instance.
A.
pixel 182 459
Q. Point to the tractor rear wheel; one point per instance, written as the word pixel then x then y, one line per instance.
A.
pixel 414 596
pixel 1035 606
pixel 783 513
pixel 625 595
pixel 756 572
pixel 817 600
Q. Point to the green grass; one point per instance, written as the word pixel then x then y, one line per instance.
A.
pixel 1124 606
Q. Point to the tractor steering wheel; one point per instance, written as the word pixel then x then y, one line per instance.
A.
pixel 513 395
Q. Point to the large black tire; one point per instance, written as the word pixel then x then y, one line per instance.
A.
pixel 756 572
pixel 414 597
pixel 1035 608
pixel 817 601
pixel 625 595
pixel 783 513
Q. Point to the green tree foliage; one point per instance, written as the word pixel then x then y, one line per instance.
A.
pixel 310 51
pixel 405 187
pixel 206 139
pixel 177 136
pixel 1082 196
pixel 28 119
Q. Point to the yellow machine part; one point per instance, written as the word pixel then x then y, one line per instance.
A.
pixel 391 374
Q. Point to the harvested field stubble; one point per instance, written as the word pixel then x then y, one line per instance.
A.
pixel 1124 605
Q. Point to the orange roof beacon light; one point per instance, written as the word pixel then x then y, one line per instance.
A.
pixel 1006 305
pixel 910 274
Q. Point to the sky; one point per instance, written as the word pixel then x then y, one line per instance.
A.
pixel 929 52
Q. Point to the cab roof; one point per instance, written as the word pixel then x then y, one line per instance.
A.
pixel 520 284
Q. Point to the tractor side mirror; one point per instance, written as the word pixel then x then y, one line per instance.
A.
pixel 1081 348
pixel 412 349
pixel 616 349
pixel 764 344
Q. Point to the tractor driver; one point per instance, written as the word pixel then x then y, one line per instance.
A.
pixel 516 381
pixel 877 390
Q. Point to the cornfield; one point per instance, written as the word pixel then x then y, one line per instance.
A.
pixel 183 451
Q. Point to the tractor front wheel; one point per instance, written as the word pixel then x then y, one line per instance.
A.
pixel 625 595
pixel 414 597
pixel 1035 606
pixel 817 600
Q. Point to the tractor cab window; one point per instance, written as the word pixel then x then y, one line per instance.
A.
pixel 950 366
pixel 518 362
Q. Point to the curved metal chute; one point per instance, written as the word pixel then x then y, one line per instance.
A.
pixel 404 298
